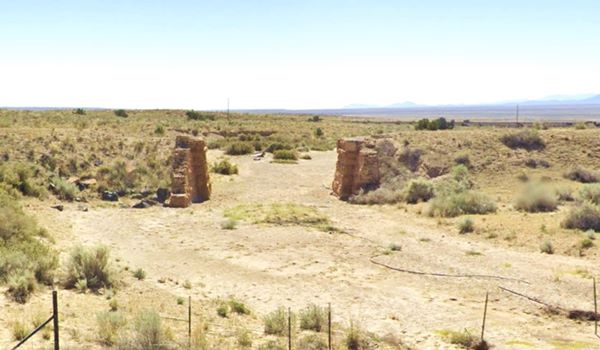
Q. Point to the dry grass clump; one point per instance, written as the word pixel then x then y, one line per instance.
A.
pixel 547 247
pixel 148 333
pixel 466 225
pixel 109 325
pixel 526 139
pixel 536 163
pixel 285 154
pixel 583 217
pixel 20 287
pixel 381 195
pixel 272 345
pixel 536 198
pixel 63 189
pixel 418 190
pixel 23 178
pixel 356 338
pixel 280 214
pixel 239 148
pixel 312 342
pixel 224 167
pixel 19 330
pixel 582 175
pixel 90 268
pixel 464 340
pixel 564 194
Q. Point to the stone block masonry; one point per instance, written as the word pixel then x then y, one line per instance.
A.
pixel 190 182
pixel 357 167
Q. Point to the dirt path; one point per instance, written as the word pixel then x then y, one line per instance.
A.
pixel 270 266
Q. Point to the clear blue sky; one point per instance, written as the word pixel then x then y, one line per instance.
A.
pixel 294 54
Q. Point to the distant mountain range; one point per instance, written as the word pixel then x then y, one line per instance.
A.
pixel 581 100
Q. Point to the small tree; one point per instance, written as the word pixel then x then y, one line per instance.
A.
pixel 121 113
pixel 319 132
pixel 79 111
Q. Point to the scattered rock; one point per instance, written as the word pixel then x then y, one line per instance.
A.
pixel 162 194
pixel 82 208
pixel 144 203
pixel 110 196
pixel 58 207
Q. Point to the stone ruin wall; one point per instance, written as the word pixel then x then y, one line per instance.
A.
pixel 357 167
pixel 190 182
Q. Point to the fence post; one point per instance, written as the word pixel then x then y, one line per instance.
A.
pixel 329 327
pixel 190 321
pixel 484 315
pixel 55 319
pixel 595 309
pixel 289 328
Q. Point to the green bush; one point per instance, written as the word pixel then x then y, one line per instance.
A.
pixel 436 124
pixel 239 307
pixel 418 190
pixel 382 195
pixel 356 339
pixel 455 204
pixel 140 274
pixel 276 322
pixel 244 338
pixel 278 146
pixel 319 132
pixel 284 154
pixel 224 167
pixel 148 331
pixel 223 310
pixel 536 199
pixel 466 225
pixel 22 177
pixel 526 139
pixel 239 148
pixel 547 247
pixel 159 130
pixel 313 318
pixel 194 115
pixel 79 111
pixel 63 189
pixel 582 175
pixel 584 217
pixel 90 265
pixel 121 113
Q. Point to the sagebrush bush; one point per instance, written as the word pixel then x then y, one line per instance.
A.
pixel 22 177
pixel 535 163
pixel 90 265
pixel 276 322
pixel 63 189
pixel 382 195
pixel 583 217
pixel 244 338
pixel 228 224
pixel 239 307
pixel 285 154
pixel 148 332
pixel 419 190
pixel 582 175
pixel 411 158
pixel 224 167
pixel 276 146
pixel 312 342
pixel 109 325
pixel 546 247
pixel 121 113
pixel 20 287
pixel 313 318
pixel 590 193
pixel 526 139
pixel 564 194
pixel 19 330
pixel 455 204
pixel 463 159
pixel 272 345
pixel 239 148
pixel 356 339
pixel 466 225
pixel 140 274
pixel 535 199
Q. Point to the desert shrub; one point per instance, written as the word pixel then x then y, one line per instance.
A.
pixel 395 247
pixel 418 190
pixel 382 195
pixel 584 217
pixel 546 247
pixel 356 339
pixel 313 318
pixel 20 287
pixel 239 148
pixel 79 111
pixel 113 304
pixel 314 119
pixel 285 154
pixel 535 199
pixel 224 167
pixel 140 274
pixel 239 307
pixel 306 156
pixel 466 225
pixel 22 177
pixel 63 189
pixel 536 163
pixel 272 345
pixel 526 139
pixel 590 193
pixel 195 115
pixel 582 175
pixel 92 266
pixel 275 146
pixel 119 177
pixel 228 224
pixel 148 331
pixel 411 158
pixel 580 126
pixel 312 342
pixel 564 194
pixel 585 243
pixel 276 322
pixel 319 132
pixel 159 130
pixel 109 325
pixel 223 310
pixel 121 113
pixel 463 159
pixel 455 204
pixel 465 340
pixel 244 338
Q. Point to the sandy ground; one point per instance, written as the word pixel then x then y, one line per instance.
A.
pixel 269 266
